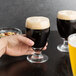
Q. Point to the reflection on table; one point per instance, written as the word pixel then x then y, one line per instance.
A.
pixel 23 68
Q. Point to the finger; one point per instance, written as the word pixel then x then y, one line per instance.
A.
pixel 20 51
pixel 26 40
pixel 30 51
pixel 23 35
pixel 2 51
pixel 45 46
pixel 3 44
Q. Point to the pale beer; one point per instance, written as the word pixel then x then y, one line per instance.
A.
pixel 72 52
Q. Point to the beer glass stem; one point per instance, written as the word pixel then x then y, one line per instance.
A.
pixel 37 55
pixel 63 47
pixel 65 43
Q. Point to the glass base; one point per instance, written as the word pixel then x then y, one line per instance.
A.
pixel 62 48
pixel 36 59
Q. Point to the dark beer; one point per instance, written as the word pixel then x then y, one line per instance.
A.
pixel 66 23
pixel 38 36
pixel 38 29
pixel 66 27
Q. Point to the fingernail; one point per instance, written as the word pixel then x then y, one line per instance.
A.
pixel 46 44
pixel 31 42
pixel 44 48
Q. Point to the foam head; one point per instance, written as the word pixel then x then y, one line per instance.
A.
pixel 37 22
pixel 67 15
pixel 72 40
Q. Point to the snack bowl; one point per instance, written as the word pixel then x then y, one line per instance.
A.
pixel 6 31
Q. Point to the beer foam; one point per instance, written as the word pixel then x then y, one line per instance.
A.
pixel 67 15
pixel 72 40
pixel 37 22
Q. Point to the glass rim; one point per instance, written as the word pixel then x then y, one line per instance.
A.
pixel 10 28
pixel 71 40
pixel 74 34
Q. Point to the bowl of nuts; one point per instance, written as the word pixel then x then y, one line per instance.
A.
pixel 6 31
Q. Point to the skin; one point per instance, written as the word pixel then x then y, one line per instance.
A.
pixel 16 45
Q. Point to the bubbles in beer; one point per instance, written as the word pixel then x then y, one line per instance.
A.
pixel 37 22
pixel 67 15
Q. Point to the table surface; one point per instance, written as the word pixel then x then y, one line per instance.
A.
pixel 57 65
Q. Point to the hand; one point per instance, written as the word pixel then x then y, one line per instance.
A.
pixel 16 45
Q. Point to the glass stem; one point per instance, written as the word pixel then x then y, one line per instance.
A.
pixel 37 55
pixel 65 43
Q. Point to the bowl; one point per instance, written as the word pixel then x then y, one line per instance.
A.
pixel 6 31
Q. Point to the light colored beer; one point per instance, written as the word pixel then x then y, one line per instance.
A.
pixel 72 52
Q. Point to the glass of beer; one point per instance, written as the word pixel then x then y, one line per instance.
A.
pixel 37 29
pixel 72 52
pixel 66 24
